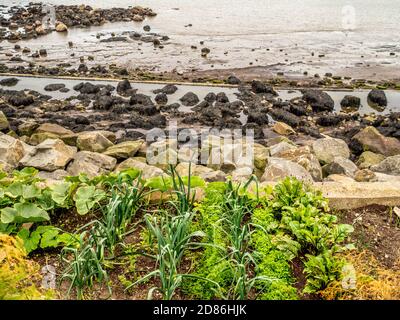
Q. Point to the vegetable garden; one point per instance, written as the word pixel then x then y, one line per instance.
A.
pixel 118 236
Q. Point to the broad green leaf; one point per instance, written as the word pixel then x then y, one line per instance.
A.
pixel 159 183
pixel 86 198
pixel 50 238
pixel 194 181
pixel 45 201
pixel 7 228
pixel 23 212
pixel 14 190
pixel 31 240
pixel 68 239
pixel 30 191
pixel 60 193
pixel 25 173
pixel 2 174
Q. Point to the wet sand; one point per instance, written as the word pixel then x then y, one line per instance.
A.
pixel 261 40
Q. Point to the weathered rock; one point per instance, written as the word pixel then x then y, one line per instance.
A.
pixel 328 120
pixel 92 164
pixel 233 80
pixel 340 178
pixel 327 149
pixel 53 129
pixel 368 159
pixel 27 128
pixel 164 159
pixel 12 150
pixel 340 165
pixel 124 86
pixel 4 124
pixel 93 141
pixel 259 87
pixel 208 174
pixel 54 87
pixel 360 194
pixel 305 158
pixel 278 169
pixel 61 27
pixel 365 175
pixel 319 100
pixel 49 155
pixel 377 97
pixel 189 99
pixel 187 154
pixel 242 174
pixel 283 129
pixel 124 150
pixel 167 89
pixel 9 82
pixel 381 177
pixel 214 176
pixel 351 102
pixel 370 139
pixel 161 99
pixel 279 114
pixel 21 99
pixel 38 138
pixel 148 171
pixel 55 175
pixel 280 147
pixel 5 167
pixel 261 155
pixel 391 166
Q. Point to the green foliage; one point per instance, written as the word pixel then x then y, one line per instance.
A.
pixel 23 212
pixel 247 243
pixel 173 239
pixel 24 198
pixel 86 197
pixel 98 240
pixel 289 222
pixel 322 270
pixel 211 264
pixel 45 237
pixel 85 262
pixel 279 290
pixel 309 229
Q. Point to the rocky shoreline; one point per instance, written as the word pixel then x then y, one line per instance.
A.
pixel 104 128
pixel 33 21
pixel 25 23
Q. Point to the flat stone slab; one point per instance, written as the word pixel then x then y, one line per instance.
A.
pixel 360 194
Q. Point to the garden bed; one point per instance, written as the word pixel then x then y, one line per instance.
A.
pixel 109 238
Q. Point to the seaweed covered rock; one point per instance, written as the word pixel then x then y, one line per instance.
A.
pixel 350 102
pixel 377 97
pixel 319 100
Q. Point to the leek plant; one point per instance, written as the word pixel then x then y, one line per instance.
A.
pixel 85 263
pixel 99 238
pixel 172 231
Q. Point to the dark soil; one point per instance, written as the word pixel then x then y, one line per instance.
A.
pixel 377 228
